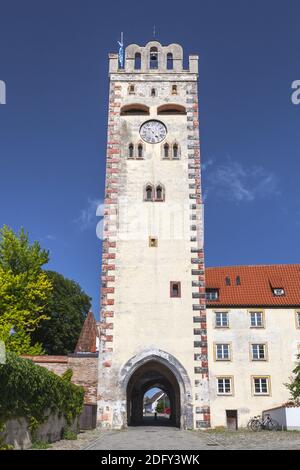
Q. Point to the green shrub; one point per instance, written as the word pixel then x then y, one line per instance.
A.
pixel 69 435
pixel 30 391
pixel 40 445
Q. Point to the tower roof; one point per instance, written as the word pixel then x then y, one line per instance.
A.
pixel 87 339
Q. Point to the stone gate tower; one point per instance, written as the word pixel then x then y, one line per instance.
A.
pixel 153 330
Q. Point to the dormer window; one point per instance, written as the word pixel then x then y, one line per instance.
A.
pixel 153 58
pixel 278 292
pixel 227 281
pixel 238 280
pixel 212 294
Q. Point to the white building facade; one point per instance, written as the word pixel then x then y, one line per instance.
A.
pixel 253 327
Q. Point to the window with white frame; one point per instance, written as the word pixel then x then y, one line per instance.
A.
pixel 224 385
pixel 261 385
pixel 221 320
pixel 258 352
pixel 256 319
pixel 223 352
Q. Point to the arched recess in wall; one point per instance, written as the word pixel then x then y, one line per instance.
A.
pixel 171 109
pixel 134 109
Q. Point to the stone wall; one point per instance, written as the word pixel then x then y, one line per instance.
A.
pixel 84 367
pixel 16 432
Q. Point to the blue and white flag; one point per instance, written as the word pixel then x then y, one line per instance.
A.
pixel 121 51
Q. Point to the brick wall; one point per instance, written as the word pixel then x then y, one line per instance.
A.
pixel 85 370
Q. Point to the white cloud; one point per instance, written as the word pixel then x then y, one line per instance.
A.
pixel 238 183
pixel 88 216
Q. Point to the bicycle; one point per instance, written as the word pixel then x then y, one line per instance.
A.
pixel 266 423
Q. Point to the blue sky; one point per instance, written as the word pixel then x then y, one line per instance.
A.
pixel 53 58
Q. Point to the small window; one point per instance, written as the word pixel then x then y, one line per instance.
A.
pixel 221 320
pixel 298 319
pixel 149 193
pixel 175 151
pixel 169 61
pixel 166 151
pixel 153 92
pixel 224 385
pixel 159 193
pixel 256 320
pixel 212 294
pixel 238 280
pixel 175 289
pixel 131 89
pixel 258 352
pixel 174 89
pixel 227 281
pixel 137 61
pixel 222 352
pixel 279 292
pixel 130 151
pixel 153 58
pixel 140 151
pixel 261 385
pixel 153 242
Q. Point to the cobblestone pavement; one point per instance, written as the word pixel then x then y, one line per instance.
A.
pixel 83 439
pixel 168 438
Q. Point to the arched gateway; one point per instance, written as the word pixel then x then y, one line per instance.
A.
pixel 161 370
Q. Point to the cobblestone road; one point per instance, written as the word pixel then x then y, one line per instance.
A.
pixel 168 438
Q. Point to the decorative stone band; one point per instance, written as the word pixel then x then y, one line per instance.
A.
pixel 109 253
pixel 197 273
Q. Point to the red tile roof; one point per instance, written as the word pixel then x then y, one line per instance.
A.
pixel 256 285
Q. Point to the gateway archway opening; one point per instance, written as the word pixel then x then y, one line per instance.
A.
pixel 153 374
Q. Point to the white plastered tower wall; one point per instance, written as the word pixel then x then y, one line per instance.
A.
pixel 140 320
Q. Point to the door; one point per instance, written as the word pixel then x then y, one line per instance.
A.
pixel 232 420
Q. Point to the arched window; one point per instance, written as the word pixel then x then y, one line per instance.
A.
pixel 153 92
pixel 174 89
pixel 171 109
pixel 166 151
pixel 130 151
pixel 134 109
pixel 169 61
pixel 153 58
pixel 140 151
pixel 175 151
pixel 159 193
pixel 137 61
pixel 149 193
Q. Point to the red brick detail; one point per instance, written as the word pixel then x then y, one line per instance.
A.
pixel 107 314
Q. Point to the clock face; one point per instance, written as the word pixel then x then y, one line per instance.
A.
pixel 153 131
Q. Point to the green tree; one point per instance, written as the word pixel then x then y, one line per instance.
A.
pixel 294 385
pixel 160 406
pixel 66 312
pixel 24 290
